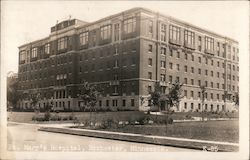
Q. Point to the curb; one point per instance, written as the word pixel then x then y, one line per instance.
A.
pixel 143 139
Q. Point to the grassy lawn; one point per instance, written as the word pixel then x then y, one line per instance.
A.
pixel 26 117
pixel 225 131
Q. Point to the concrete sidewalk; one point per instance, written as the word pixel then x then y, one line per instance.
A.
pixel 159 140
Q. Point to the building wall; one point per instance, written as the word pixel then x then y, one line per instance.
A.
pixel 122 66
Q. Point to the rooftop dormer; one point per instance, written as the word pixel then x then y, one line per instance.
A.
pixel 66 24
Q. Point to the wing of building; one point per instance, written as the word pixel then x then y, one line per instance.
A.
pixel 126 54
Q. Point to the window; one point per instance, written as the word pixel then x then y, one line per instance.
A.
pixel 100 103
pixel 178 79
pixel 84 38
pixel 163 32
pixel 199 43
pixel 163 77
pixel 150 27
pixel 206 72
pixel 22 55
pixel 189 38
pixel 174 33
pixel 62 43
pixel 170 79
pixel 192 56
pixel 185 80
pixel 192 69
pixel 218 74
pixel 163 51
pixel 199 94
pixel 199 59
pixel 209 43
pixel 218 64
pixel 212 73
pixel 150 61
pixel 186 56
pixel 206 61
pixel 123 102
pixel 129 25
pixel 177 67
pixel 185 105
pixel 132 102
pixel 171 65
pixel 34 52
pixel 178 54
pixel 192 94
pixel 199 82
pixel 117 32
pixel 218 85
pixel 212 85
pixel 171 53
pixel 107 103
pixel 114 103
pixel 205 83
pixel 150 48
pixel 115 89
pixel 212 107
pixel 106 32
pixel 149 75
pixel 192 81
pixel 149 88
pixel 212 96
pixel 199 71
pixel 185 93
pixel 185 68
pixel 47 48
pixel 212 62
pixel 163 64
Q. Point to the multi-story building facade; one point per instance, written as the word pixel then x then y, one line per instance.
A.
pixel 125 54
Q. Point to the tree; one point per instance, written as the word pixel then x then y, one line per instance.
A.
pixel 12 94
pixel 155 95
pixel 236 99
pixel 34 100
pixel 203 91
pixel 174 96
pixel 88 94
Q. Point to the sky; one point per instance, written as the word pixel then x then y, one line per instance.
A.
pixel 26 21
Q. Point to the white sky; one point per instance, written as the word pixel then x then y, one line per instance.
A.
pixel 26 21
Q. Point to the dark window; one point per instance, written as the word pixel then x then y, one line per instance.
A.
pixel 84 38
pixel 132 102
pixel 174 33
pixel 129 25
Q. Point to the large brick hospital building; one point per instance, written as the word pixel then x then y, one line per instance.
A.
pixel 125 54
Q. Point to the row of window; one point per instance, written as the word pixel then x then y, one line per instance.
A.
pixel 218 108
pixel 109 64
pixel 163 52
pixel 199 95
pixel 45 64
pixel 199 83
pixel 115 103
pixel 93 55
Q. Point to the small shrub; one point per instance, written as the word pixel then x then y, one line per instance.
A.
pixel 47 116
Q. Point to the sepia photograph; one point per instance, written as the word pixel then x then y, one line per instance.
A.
pixel 124 80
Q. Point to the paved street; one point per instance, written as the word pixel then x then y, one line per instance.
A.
pixel 22 137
